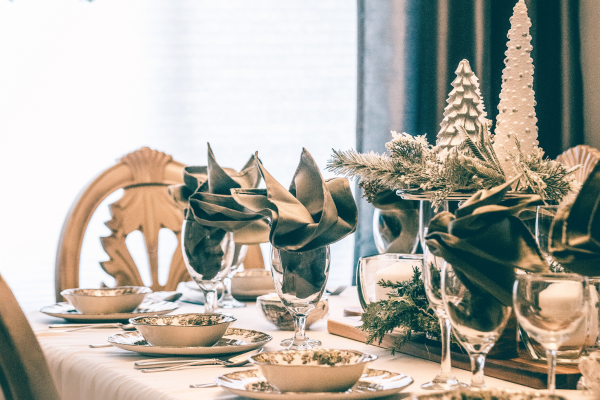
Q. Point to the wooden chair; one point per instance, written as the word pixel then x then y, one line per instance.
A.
pixel 24 372
pixel 146 206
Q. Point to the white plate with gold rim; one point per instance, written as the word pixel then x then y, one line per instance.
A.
pixel 68 312
pixel 235 340
pixel 374 383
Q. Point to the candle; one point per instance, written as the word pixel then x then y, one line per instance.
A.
pixel 399 271
pixel 560 300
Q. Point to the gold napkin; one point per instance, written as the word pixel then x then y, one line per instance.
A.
pixel 313 213
pixel 206 197
pixel 398 221
pixel 575 231
pixel 485 241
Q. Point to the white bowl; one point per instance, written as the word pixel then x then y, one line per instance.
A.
pixel 122 299
pixel 251 283
pixel 316 370
pixel 275 312
pixel 183 330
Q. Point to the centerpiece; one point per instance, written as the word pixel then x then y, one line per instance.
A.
pixel 470 155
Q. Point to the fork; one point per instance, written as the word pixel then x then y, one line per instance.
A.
pixel 160 366
pixel 338 290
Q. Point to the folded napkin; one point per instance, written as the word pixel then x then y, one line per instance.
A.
pixel 485 241
pixel 398 221
pixel 575 231
pixel 206 198
pixel 313 213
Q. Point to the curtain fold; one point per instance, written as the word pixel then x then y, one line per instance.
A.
pixel 409 50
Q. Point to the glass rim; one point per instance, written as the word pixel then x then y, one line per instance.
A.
pixel 552 275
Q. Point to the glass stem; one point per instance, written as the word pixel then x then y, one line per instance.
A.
pixel 445 363
pixel 210 298
pixel 477 364
pixel 299 324
pixel 227 289
pixel 551 357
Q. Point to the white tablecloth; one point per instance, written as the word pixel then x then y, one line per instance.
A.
pixel 84 373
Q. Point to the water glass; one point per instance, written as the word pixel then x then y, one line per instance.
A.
pixel 227 300
pixel 208 255
pixel 432 270
pixel 477 318
pixel 300 278
pixel 550 307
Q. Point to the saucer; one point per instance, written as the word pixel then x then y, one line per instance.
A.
pixel 68 312
pixel 234 341
pixel 372 384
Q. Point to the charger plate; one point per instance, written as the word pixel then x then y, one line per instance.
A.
pixel 372 384
pixel 235 340
pixel 68 312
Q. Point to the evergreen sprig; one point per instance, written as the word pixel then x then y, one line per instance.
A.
pixel 407 307
pixel 413 165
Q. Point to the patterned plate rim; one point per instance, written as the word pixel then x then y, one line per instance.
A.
pixel 222 382
pixel 112 339
pixel 47 310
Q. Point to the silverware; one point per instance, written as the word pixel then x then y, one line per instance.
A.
pixel 171 365
pixel 78 327
pixel 95 346
pixel 204 385
pixel 337 291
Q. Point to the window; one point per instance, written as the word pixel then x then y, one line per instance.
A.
pixel 82 84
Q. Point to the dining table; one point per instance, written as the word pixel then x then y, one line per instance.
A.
pixel 85 373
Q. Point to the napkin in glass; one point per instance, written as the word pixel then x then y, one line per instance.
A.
pixel 313 213
pixel 206 198
pixel 575 232
pixel 486 242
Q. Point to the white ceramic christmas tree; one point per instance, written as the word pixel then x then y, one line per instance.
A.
pixel 516 110
pixel 465 108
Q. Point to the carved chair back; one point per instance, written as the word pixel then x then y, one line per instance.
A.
pixel 24 372
pixel 144 175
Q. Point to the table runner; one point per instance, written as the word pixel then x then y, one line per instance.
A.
pixel 84 373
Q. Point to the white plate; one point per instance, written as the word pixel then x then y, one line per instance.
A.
pixel 235 341
pixel 68 312
pixel 374 383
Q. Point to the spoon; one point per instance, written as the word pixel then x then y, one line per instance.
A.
pixel 78 327
pixel 160 366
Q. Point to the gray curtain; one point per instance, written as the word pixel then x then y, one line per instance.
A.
pixel 408 51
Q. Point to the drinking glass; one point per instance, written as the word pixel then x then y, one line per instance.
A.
pixel 477 318
pixel 432 268
pixel 549 308
pixel 208 255
pixel 300 279
pixel 227 300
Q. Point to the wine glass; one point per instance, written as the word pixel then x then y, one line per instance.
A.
pixel 227 300
pixel 477 318
pixel 550 307
pixel 208 255
pixel 432 268
pixel 300 278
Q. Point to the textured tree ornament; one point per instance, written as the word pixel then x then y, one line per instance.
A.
pixel 465 108
pixel 516 111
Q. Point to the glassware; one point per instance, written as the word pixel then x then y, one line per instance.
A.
pixel 477 319
pixel 549 308
pixel 397 230
pixel 543 221
pixel 394 267
pixel 208 255
pixel 300 279
pixel 227 300
pixel 432 269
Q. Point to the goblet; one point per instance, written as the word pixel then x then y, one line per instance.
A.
pixel 300 278
pixel 477 318
pixel 227 300
pixel 432 268
pixel 549 308
pixel 208 255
